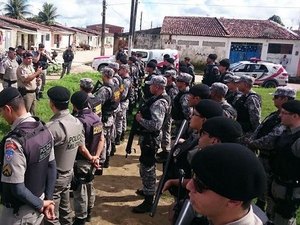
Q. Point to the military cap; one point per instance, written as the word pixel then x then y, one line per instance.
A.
pixel 200 90
pixel 59 94
pixel 86 83
pixel 109 72
pixel 230 170
pixel 27 54
pixel 212 56
pixel 219 88
pixel 151 64
pixel 231 78
pixel 184 77
pixel 124 66
pixel 7 95
pixel 114 66
pixel 171 73
pixel 158 80
pixel 170 60
pixel 292 106
pixel 225 63
pixel 247 79
pixel 79 99
pixel 226 129
pixel 209 108
pixel 285 92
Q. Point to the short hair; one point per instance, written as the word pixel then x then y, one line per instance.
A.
pixel 60 105
pixel 41 45
pixel 16 103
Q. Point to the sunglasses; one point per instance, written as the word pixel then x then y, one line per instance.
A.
pixel 199 185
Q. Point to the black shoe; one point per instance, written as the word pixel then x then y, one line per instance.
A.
pixel 162 156
pixel 145 206
pixel 113 149
pixel 78 221
pixel 89 216
pixel 106 163
pixel 140 192
pixel 99 172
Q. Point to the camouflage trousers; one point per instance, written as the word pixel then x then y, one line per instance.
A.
pixel 108 132
pixel 148 175
pixel 84 196
pixel 121 118
pixel 166 133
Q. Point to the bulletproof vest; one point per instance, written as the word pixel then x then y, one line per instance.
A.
pixel 228 110
pixel 42 62
pixel 209 76
pixel 283 162
pixel 268 124
pixel 146 88
pixel 177 111
pixel 65 153
pixel 124 98
pixel 112 104
pixel 37 142
pixel 95 105
pixel 68 56
pixel 93 129
pixel 231 96
pixel 243 116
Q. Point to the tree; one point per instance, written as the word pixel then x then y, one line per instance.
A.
pixel 48 14
pixel 276 19
pixel 17 9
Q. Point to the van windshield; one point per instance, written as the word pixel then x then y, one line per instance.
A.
pixel 144 54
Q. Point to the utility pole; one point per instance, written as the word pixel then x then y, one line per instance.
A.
pixel 134 4
pixel 141 20
pixel 103 27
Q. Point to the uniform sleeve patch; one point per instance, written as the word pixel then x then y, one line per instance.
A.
pixel 7 170
pixel 9 153
pixel 11 145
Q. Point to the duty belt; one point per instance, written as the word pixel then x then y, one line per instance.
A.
pixel 12 206
pixel 10 82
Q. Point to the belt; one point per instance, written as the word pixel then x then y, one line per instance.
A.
pixel 30 91
pixel 63 172
pixel 10 81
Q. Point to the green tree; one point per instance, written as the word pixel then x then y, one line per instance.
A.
pixel 276 19
pixel 17 9
pixel 48 14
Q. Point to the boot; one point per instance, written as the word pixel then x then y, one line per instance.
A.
pixel 113 149
pixel 122 136
pixel 78 221
pixel 106 163
pixel 140 192
pixel 118 139
pixel 89 216
pixel 145 206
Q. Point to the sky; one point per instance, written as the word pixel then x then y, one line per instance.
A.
pixel 80 13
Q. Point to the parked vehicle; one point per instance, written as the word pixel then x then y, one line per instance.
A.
pixel 266 74
pixel 147 54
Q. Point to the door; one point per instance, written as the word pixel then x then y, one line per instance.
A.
pixel 244 51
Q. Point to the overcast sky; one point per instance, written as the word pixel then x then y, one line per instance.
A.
pixel 85 12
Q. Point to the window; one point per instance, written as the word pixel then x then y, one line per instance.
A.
pixel 47 37
pixel 280 48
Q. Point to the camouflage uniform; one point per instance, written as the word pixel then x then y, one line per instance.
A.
pixel 231 95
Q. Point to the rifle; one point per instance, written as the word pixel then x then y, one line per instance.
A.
pixel 186 215
pixel 163 178
pixel 133 131
pixel 97 86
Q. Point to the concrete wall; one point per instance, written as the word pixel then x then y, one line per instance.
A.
pixel 147 41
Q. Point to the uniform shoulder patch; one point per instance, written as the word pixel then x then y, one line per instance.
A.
pixel 11 145
pixel 7 170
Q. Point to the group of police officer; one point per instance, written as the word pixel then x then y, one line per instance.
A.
pixel 40 162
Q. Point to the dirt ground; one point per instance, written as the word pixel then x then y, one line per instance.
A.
pixel 115 193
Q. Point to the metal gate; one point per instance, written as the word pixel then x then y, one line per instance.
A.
pixel 244 51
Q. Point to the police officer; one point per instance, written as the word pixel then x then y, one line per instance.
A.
pixel 150 69
pixel 223 67
pixel 84 194
pixel 86 85
pixel 8 69
pixel 121 116
pixel 150 119
pixel 27 164
pixel 181 109
pixel 218 92
pixel 226 199
pixel 109 97
pixel 20 51
pixel 211 70
pixel 233 92
pixel 248 106
pixel 191 68
pixel 68 136
pixel 28 80
pixel 263 139
pixel 68 57
pixel 285 166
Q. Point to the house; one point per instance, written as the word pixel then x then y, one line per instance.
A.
pixel 236 39
pixel 113 29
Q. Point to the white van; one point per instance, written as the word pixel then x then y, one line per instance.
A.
pixel 147 54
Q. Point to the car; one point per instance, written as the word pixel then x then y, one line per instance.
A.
pixel 266 74
pixel 147 54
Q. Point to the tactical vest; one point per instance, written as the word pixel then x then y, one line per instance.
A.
pixel 285 165
pixel 268 124
pixel 231 96
pixel 146 89
pixel 112 104
pixel 209 77
pixel 42 62
pixel 177 111
pixel 124 98
pixel 95 105
pixel 93 129
pixel 65 153
pixel 243 116
pixel 37 143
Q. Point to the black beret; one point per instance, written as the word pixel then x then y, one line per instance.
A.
pixel 201 90
pixel 292 106
pixel 170 60
pixel 166 56
pixel 231 170
pixel 59 94
pixel 79 99
pixel 27 54
pixel 7 95
pixel 226 129
pixel 11 49
pixel 225 63
pixel 209 108
pixel 213 56
pixel 151 65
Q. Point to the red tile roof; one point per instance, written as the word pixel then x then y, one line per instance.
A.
pixel 24 23
pixel 214 27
